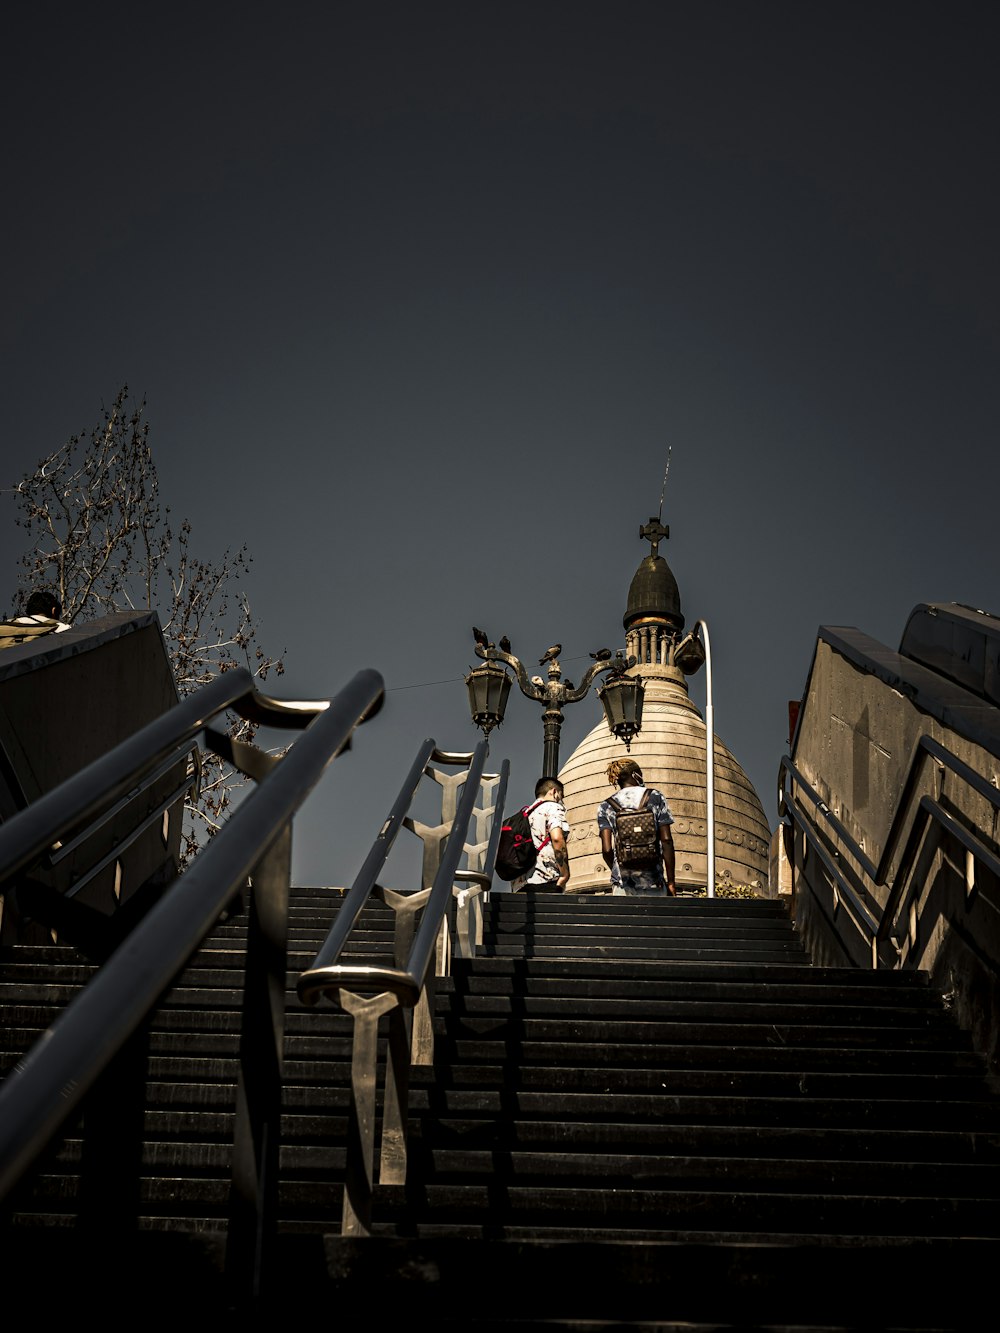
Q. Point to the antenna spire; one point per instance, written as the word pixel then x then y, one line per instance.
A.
pixel 663 488
pixel 654 531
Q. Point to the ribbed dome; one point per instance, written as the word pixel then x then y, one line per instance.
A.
pixel 670 750
pixel 653 592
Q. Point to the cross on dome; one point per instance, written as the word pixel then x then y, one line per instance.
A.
pixel 654 532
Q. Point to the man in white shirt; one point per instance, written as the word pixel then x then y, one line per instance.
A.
pixel 549 831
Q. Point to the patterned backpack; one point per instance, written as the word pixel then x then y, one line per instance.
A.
pixel 637 841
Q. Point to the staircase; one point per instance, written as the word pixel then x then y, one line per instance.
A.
pixel 192 1078
pixel 643 1114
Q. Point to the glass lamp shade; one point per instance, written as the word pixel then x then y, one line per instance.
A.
pixel 622 698
pixel 489 686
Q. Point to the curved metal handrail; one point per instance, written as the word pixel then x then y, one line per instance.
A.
pixel 323 978
pixel 360 891
pixel 53 1078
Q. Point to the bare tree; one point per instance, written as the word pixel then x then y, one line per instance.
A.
pixel 97 535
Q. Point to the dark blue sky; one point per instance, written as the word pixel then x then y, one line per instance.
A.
pixel 420 294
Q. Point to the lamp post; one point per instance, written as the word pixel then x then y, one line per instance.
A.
pixel 489 685
pixel 689 655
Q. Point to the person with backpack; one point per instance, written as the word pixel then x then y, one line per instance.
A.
pixel 546 861
pixel 635 833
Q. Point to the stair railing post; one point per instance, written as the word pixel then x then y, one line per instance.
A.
pixel 257 1132
pixel 112 1143
pixel 359 1183
pixel 434 838
pixel 395 1106
pixel 468 921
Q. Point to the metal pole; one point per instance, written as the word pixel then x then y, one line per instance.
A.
pixel 709 758
pixel 551 726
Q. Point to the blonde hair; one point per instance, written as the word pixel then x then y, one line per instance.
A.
pixel 619 768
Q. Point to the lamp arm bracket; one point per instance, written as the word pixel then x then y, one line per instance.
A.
pixel 491 654
pixel 574 696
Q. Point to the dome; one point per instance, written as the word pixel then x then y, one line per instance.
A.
pixel 670 750
pixel 653 593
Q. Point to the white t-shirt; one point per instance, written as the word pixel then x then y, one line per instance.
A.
pixel 545 816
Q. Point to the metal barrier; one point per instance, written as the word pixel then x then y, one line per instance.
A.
pixel 95 1040
pixel 405 992
pixel 883 929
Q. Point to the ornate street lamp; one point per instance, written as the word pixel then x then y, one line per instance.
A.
pixel 489 686
pixel 621 695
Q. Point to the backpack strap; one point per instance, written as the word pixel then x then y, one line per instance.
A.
pixel 526 812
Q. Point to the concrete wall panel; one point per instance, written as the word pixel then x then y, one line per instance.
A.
pixel 66 699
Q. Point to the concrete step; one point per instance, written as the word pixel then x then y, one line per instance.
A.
pixel 548 905
pixel 676 1171
pixel 625 1081
pixel 763 1141
pixel 666 1211
pixel 687 1053
pixel 734 984
pixel 981 1114
pixel 655 948
pixel 528 969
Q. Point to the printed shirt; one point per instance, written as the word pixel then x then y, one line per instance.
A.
pixel 635 881
pixel 545 816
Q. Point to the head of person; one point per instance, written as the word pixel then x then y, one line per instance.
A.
pixel 548 789
pixel 43 604
pixel 624 773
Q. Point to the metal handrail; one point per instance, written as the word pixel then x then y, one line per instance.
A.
pixel 407 982
pixel 925 745
pixel 366 878
pixel 403 993
pixel 864 919
pixel 69 845
pixel 50 1082
pixel 879 927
